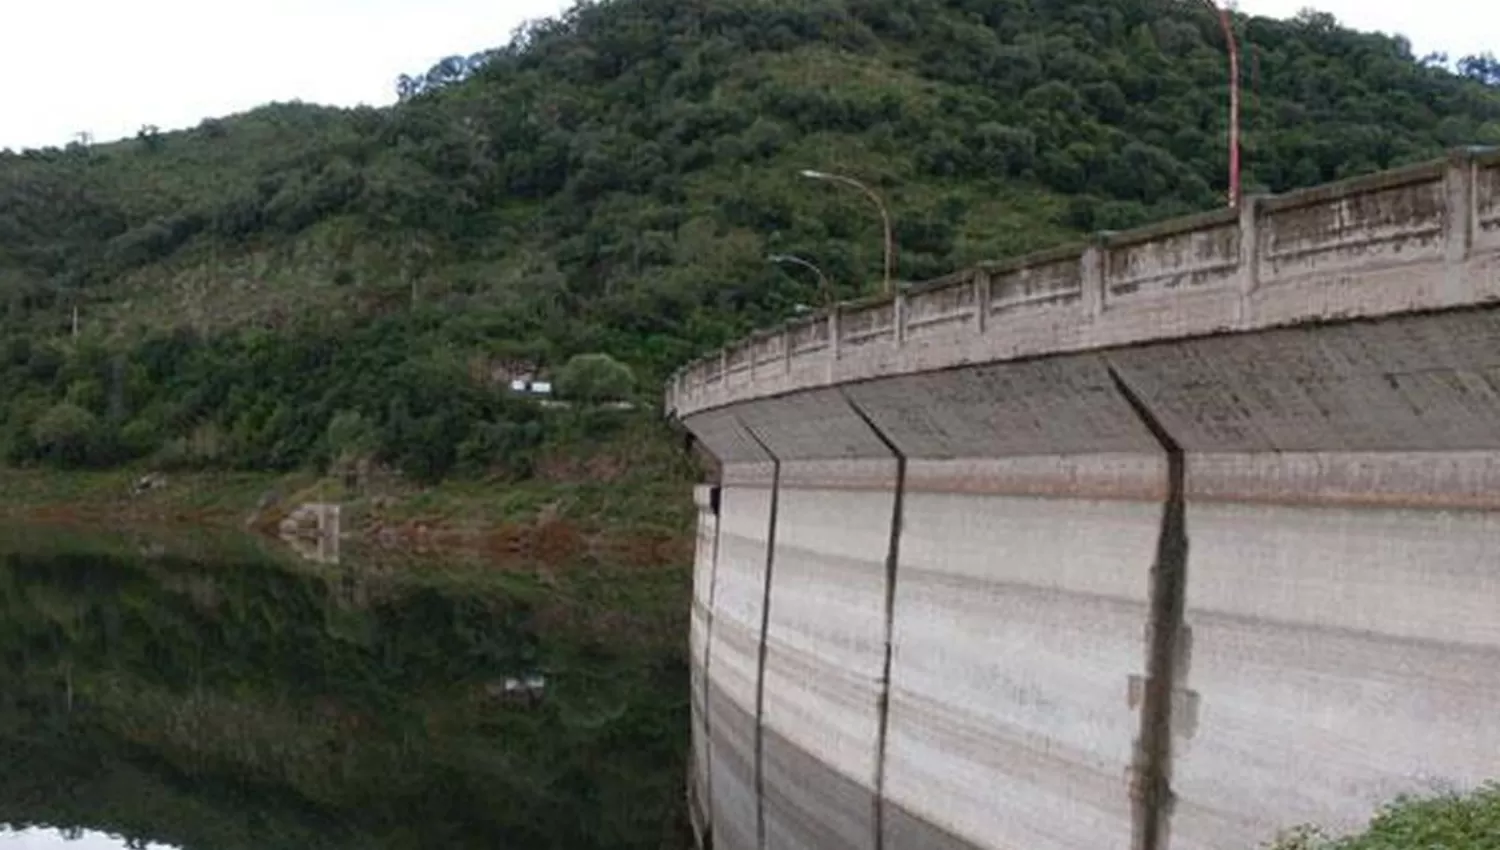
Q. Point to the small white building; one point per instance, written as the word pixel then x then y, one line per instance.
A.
pixel 526 385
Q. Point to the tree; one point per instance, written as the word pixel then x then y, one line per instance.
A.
pixel 593 378
pixel 67 435
pixel 352 442
pixel 351 437
pixel 151 138
pixel 1484 68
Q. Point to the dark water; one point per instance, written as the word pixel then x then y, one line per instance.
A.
pixel 224 694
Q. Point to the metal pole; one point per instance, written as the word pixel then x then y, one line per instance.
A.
pixel 795 260
pixel 1226 21
pixel 885 216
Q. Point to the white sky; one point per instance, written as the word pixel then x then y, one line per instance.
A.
pixel 108 67
pixel 1456 27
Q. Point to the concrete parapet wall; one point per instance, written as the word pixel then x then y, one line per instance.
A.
pixel 1170 541
pixel 1487 203
pixel 1173 259
pixel 1422 238
pixel 1397 218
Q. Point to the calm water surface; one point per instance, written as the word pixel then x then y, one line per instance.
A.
pixel 225 694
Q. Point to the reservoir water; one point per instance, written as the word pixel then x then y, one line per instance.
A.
pixel 193 691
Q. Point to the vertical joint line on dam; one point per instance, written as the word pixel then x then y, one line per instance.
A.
pixel 717 505
pixel 765 624
pixel 1151 780
pixel 892 561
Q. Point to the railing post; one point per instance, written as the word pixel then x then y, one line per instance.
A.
pixel 898 318
pixel 834 331
pixel 1249 265
pixel 833 339
pixel 1092 273
pixel 981 300
pixel 1459 214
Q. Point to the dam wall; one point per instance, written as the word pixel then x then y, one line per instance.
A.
pixel 1174 539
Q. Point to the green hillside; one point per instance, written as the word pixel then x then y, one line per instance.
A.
pixel 612 182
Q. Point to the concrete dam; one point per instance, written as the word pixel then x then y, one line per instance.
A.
pixel 1173 539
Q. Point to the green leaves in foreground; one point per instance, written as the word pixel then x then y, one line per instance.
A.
pixel 1441 823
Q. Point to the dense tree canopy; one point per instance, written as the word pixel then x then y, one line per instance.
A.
pixel 612 181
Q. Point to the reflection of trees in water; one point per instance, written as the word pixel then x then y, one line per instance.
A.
pixel 248 703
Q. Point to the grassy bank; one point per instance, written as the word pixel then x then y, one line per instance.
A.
pixel 627 478
pixel 644 506
pixel 219 499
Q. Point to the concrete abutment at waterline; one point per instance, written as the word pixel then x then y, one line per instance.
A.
pixel 1181 588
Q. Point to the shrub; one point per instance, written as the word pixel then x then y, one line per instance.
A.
pixel 67 435
pixel 593 378
pixel 203 449
pixel 1450 821
pixel 504 446
pixel 351 438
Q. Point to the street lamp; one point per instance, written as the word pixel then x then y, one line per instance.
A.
pixel 885 215
pixel 798 261
pixel 1226 20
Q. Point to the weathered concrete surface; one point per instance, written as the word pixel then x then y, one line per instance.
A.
pixel 826 630
pixel 994 473
pixel 734 654
pixel 1018 621
pixel 1021 600
pixel 1344 510
pixel 704 562
pixel 824 658
pixel 1340 657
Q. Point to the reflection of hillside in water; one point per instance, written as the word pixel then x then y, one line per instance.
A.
pixel 234 697
pixel 314 532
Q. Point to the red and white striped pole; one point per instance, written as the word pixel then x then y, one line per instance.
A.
pixel 1226 20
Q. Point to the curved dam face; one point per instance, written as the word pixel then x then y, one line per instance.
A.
pixel 1174 540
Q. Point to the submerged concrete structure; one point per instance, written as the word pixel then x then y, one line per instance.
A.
pixel 1170 540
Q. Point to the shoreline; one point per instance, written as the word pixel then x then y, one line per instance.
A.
pixel 550 520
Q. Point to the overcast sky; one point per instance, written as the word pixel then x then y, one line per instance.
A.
pixel 109 67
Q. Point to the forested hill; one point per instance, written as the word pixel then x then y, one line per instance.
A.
pixel 612 182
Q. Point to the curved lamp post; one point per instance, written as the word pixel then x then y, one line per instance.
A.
pixel 885 215
pixel 1226 20
pixel 798 261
